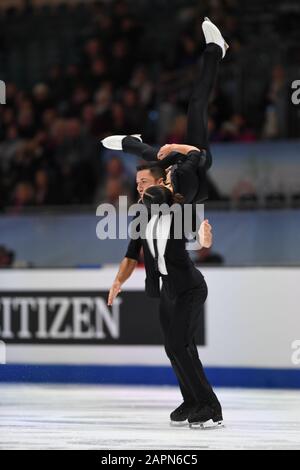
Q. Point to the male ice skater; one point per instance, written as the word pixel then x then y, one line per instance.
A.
pixel 183 292
pixel 195 186
pixel 184 288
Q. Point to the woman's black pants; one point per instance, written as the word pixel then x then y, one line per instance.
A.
pixel 197 117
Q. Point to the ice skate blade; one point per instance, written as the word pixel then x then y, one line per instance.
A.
pixel 207 425
pixel 179 424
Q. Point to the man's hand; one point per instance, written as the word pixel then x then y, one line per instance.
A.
pixel 114 292
pixel 205 235
pixel 181 148
pixel 126 268
pixel 164 151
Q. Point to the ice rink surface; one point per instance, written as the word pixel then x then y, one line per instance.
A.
pixel 112 417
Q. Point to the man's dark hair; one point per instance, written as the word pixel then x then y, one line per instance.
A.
pixel 155 170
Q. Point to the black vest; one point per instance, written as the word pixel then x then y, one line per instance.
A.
pixel 182 274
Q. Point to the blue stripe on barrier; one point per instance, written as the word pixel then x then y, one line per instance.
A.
pixel 146 375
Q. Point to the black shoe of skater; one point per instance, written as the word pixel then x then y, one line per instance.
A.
pixel 180 415
pixel 206 416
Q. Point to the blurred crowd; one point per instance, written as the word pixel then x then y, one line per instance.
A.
pixel 7 257
pixel 50 152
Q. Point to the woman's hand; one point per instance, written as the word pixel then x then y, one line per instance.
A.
pixel 205 234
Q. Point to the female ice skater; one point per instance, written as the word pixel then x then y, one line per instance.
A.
pixel 197 128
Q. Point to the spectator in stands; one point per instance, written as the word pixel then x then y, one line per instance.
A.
pixel 6 257
pixel 236 130
pixel 117 72
pixel 277 101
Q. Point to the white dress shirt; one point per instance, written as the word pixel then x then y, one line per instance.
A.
pixel 163 232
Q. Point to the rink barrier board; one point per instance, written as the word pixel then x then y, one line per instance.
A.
pixel 149 375
pixel 252 329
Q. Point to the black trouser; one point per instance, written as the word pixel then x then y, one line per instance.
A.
pixel 197 118
pixel 179 317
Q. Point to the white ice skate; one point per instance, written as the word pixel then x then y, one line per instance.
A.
pixel 213 35
pixel 114 142
pixel 206 417
pixel 207 425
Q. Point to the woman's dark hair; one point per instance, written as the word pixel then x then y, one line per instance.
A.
pixel 161 195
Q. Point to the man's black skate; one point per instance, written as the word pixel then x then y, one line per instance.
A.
pixel 179 417
pixel 206 417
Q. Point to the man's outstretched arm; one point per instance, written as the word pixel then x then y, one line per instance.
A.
pixel 126 268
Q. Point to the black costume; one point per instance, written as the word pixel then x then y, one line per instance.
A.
pixel 195 188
